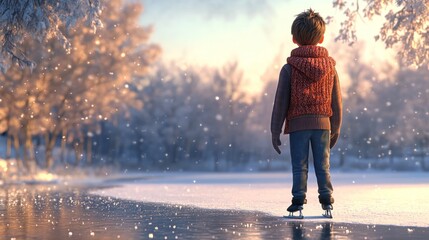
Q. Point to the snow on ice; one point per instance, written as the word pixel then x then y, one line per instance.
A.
pixel 386 198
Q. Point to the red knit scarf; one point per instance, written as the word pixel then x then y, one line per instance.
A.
pixel 312 81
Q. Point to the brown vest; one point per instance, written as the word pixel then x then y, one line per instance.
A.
pixel 312 80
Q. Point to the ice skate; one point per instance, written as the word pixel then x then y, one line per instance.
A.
pixel 327 208
pixel 293 209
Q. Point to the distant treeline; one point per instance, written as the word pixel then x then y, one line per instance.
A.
pixel 110 102
pixel 202 119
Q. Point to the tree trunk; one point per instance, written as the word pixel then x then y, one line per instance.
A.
pixel 8 137
pixel 28 155
pixel 63 146
pixel 342 159
pixel 17 147
pixel 117 149
pixel 422 146
pixel 78 152
pixel 8 147
pixel 423 156
pixel 29 152
pixel 216 156
pixel 79 147
pixel 50 140
pixel 89 150
pixel 216 162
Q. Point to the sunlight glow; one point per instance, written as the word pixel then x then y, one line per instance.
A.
pixel 44 176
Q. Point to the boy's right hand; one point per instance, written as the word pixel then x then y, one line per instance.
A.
pixel 334 139
pixel 276 143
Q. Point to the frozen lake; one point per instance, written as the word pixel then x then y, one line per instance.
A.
pixel 54 212
pixel 386 198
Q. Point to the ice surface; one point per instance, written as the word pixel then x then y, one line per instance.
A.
pixel 369 198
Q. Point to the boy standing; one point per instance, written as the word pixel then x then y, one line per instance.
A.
pixel 308 100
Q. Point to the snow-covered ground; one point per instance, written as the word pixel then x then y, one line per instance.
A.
pixel 369 198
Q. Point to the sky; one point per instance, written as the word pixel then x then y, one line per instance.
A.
pixel 255 33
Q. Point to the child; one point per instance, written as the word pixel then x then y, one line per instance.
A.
pixel 308 100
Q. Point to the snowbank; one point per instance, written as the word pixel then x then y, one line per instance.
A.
pixel 368 198
pixel 13 174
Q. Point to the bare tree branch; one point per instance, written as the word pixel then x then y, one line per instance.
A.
pixel 22 20
pixel 405 28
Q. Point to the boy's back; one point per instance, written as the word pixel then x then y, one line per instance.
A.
pixel 308 99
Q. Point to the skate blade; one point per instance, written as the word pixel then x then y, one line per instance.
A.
pixel 327 214
pixel 293 217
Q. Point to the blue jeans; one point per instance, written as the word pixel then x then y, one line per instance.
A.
pixel 299 150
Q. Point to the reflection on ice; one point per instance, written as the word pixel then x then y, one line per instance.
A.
pixel 45 212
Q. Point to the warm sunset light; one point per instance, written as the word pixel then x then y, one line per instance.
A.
pixel 214 119
pixel 259 38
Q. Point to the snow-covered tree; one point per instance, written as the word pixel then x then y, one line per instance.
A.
pixel 406 26
pixel 68 95
pixel 26 20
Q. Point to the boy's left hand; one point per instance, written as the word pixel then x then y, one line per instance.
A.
pixel 276 143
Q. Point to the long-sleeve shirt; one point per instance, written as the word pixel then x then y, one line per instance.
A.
pixel 306 122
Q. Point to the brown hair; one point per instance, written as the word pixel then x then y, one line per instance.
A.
pixel 308 28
